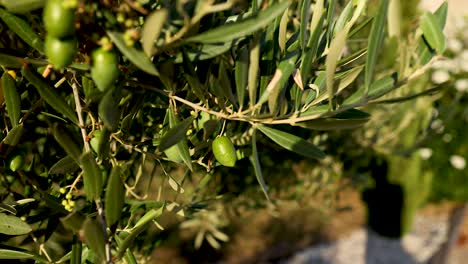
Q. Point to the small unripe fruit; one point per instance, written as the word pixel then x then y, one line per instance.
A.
pixel 59 20
pixel 60 51
pixel 105 68
pixel 224 151
pixel 16 163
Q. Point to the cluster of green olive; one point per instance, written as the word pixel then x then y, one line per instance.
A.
pixel 60 42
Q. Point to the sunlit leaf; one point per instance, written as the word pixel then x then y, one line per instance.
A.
pixel 433 32
pixel 374 44
pixel 22 6
pixel 151 30
pixel 137 57
pixel 16 255
pixel 241 28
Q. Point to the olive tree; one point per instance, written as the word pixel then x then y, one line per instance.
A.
pixel 103 98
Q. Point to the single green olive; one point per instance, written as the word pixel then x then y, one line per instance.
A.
pixel 105 69
pixel 16 163
pixel 224 151
pixel 60 52
pixel 59 20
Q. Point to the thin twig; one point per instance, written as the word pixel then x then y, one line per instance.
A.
pixel 79 112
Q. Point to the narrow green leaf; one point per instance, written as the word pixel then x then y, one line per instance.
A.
pixel 22 6
pixel 241 28
pixel 254 66
pixel 305 16
pixel 348 120
pixel 73 221
pixel 16 255
pixel 257 168
pixel 115 197
pixel 64 166
pixel 151 30
pixel 94 237
pixel 14 135
pixel 136 56
pixel 374 44
pixel 433 32
pixel 7 208
pixel 49 95
pixel 13 225
pixel 376 90
pixel 225 84
pixel 344 17
pixel 334 53
pixel 242 74
pixel 66 141
pixel 92 176
pixel 181 146
pixel 77 248
pixel 22 29
pixel 282 31
pixel 109 110
pixel 139 227
pixel 129 257
pixel 12 98
pixel 292 142
pixel 394 18
pixel 175 134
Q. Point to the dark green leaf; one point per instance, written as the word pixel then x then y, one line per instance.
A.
pixel 292 142
pixel 115 197
pixel 175 134
pixel 12 98
pixel 49 95
pixel 92 176
pixel 22 29
pixel 109 110
pixel 181 146
pixel 95 238
pixel 12 225
pixel 242 28
pixel 256 164
pixel 242 74
pixel 64 166
pixel 377 89
pixel 66 141
pixel 14 135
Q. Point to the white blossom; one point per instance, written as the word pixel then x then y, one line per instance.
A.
pixel 440 76
pixel 458 162
pixel 461 85
pixel 425 153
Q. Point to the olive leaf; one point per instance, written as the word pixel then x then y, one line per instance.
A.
pixel 16 255
pixel 95 238
pixel 22 29
pixel 151 30
pixel 12 98
pixel 115 196
pixel 22 6
pixel 175 134
pixel 433 32
pixel 65 165
pixel 257 168
pixel 292 142
pixel 49 95
pixel 92 176
pixel 241 28
pixel 13 225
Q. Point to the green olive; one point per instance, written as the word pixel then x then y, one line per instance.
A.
pixel 59 20
pixel 105 68
pixel 224 151
pixel 60 52
pixel 16 163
